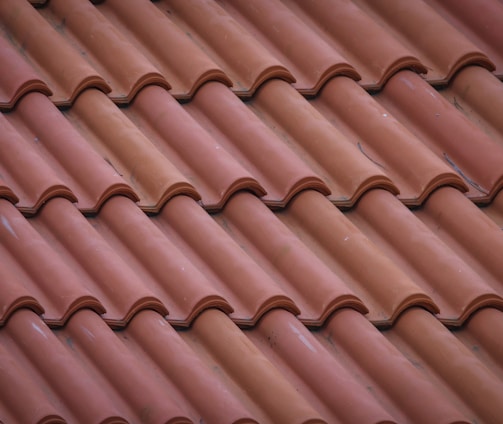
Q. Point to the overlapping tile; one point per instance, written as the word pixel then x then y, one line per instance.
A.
pixel 442 48
pixel 429 259
pixel 446 131
pixel 60 67
pixel 36 167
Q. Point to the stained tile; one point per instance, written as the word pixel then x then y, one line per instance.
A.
pixel 60 67
pixel 447 132
pixel 37 169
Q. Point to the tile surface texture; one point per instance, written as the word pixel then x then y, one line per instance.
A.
pixel 260 211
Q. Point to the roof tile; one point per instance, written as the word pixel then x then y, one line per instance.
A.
pixel 99 42
pixel 64 71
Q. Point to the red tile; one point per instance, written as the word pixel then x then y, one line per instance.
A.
pixel 459 142
pixel 441 47
pixel 20 79
pixel 152 176
pixel 64 71
pixel 97 41
pixel 358 37
pixel 382 139
pixel 184 65
pixel 38 130
pixel 431 261
pixel 244 60
pixel 347 173
pixel 288 261
pixel 37 277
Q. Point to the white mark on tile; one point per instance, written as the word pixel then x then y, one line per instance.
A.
pixel 39 330
pixel 385 115
pixel 302 338
pixel 88 333
pixel 346 238
pixel 7 225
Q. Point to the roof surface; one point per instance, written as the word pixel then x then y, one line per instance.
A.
pixel 254 211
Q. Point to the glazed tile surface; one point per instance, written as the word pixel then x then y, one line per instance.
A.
pixel 264 211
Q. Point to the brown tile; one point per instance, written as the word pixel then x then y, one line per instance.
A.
pixel 382 139
pixel 287 261
pixel 348 29
pixel 97 41
pixel 431 261
pixel 152 176
pixel 310 58
pixel 64 71
pixel 244 60
pixel 385 289
pixel 42 169
pixel 441 47
pixel 447 132
pixel 38 277
pixel 20 79
pixel 344 169
pixel 184 65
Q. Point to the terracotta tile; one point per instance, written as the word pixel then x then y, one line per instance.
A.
pixel 310 58
pixel 184 65
pixel 152 176
pixel 97 40
pixel 385 289
pixel 347 173
pixel 252 143
pixel 51 386
pixel 287 261
pixel 37 129
pixel 477 94
pixel 481 335
pixel 479 22
pixel 202 157
pixel 64 71
pixel 20 79
pixel 244 60
pixel 206 397
pixel 260 384
pixel 359 38
pixel 441 47
pixel 475 238
pixel 495 210
pixel 26 179
pixel 445 130
pixel 430 261
pixel 319 377
pixel 382 139
pixel 248 288
pixel 450 365
pixel 154 262
pixel 39 279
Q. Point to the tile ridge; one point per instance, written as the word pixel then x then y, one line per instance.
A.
pixel 488 300
pixel 408 62
pixel 210 302
pixel 333 71
pixel 475 58
pixel 23 302
pixel 88 302
pixel 150 303
pixel 275 302
pixel 247 184
pixel 314 183
pixel 57 190
pixel 270 73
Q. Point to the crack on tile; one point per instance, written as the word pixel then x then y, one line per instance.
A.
pixel 360 147
pixel 464 176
